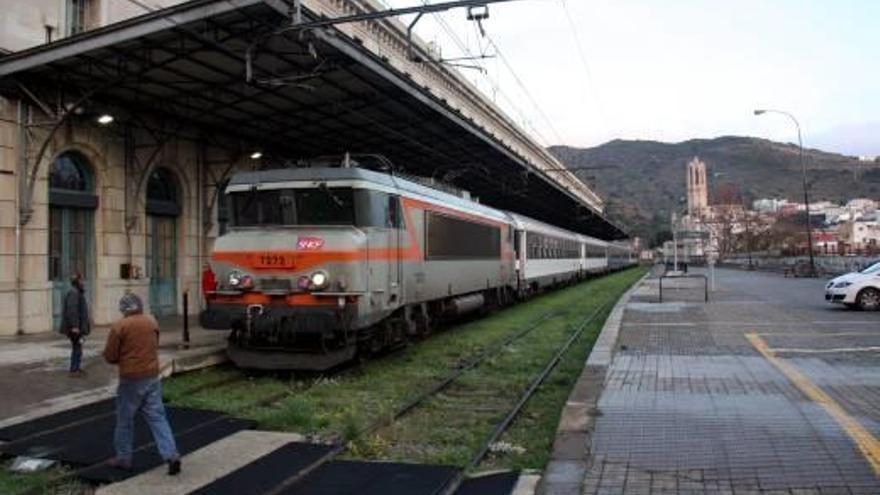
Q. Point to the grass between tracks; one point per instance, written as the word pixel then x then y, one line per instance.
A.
pixel 452 427
pixel 14 483
pixel 339 407
pixel 447 429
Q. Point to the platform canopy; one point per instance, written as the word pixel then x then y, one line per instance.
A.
pixel 306 93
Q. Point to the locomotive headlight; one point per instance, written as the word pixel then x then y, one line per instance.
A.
pixel 240 280
pixel 319 279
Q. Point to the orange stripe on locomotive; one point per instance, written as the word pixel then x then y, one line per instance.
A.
pixel 304 260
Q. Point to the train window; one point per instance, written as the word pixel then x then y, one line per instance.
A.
pixel 395 215
pixel 453 238
pixel 324 206
pixel 319 206
pixel 257 208
pixel 372 208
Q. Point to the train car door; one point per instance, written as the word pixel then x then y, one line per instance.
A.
pixel 519 246
pixel 380 213
pixel 395 271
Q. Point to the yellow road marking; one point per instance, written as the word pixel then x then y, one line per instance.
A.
pixel 825 351
pixel 866 442
pixel 818 335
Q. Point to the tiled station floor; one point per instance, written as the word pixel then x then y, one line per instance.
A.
pixel 765 389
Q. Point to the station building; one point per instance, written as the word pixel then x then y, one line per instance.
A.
pixel 119 129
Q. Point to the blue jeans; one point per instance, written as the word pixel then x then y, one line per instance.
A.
pixel 144 395
pixel 76 352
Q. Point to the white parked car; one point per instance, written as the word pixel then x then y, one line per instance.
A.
pixel 857 289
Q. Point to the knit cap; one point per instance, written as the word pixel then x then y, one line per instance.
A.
pixel 130 303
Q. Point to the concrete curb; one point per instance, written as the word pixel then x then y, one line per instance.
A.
pixel 569 461
pixel 192 360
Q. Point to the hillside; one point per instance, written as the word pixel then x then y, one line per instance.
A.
pixel 645 180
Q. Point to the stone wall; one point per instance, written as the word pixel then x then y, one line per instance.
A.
pixel 826 265
pixel 112 243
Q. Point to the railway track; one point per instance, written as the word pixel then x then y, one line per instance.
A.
pixel 451 387
pixel 445 383
pixel 270 399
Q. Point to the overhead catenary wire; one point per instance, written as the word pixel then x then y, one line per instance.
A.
pixel 586 67
pixel 525 90
pixel 495 85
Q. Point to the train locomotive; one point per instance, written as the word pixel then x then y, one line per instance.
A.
pixel 322 264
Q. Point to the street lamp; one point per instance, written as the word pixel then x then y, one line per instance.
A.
pixel 804 172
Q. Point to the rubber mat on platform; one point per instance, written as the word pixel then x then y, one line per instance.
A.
pixel 56 420
pixel 268 471
pixel 374 478
pixel 89 439
pixel 90 442
pixel 186 443
pixel 493 484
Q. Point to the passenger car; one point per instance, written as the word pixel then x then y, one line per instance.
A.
pixel 857 289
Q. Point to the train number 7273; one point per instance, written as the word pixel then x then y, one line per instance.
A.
pixel 270 259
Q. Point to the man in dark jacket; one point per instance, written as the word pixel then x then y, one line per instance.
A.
pixel 75 322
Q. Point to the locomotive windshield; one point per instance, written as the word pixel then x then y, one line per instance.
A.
pixel 318 206
pixel 315 206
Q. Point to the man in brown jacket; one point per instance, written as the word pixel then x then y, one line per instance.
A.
pixel 133 345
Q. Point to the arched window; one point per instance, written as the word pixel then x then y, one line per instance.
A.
pixel 70 171
pixel 162 193
pixel 71 209
pixel 70 182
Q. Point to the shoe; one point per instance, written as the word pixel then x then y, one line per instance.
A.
pixel 174 467
pixel 77 374
pixel 119 464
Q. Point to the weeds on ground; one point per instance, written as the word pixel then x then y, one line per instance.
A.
pixel 15 483
pixel 452 426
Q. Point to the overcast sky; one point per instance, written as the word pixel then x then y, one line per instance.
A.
pixel 670 70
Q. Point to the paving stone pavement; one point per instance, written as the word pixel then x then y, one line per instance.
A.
pixel 690 405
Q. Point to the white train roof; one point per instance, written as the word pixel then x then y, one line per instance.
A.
pixel 293 178
pixel 532 225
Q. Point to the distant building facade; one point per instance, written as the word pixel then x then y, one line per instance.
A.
pixel 697 188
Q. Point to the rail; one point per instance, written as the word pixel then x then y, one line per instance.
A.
pixel 411 405
pixel 272 398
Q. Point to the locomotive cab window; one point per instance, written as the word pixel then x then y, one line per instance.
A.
pixel 376 209
pixel 315 206
pixel 318 206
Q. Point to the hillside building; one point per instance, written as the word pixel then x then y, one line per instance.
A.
pixel 861 235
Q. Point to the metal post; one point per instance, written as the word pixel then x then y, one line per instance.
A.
pixel 712 274
pixel 674 244
pixel 705 289
pixel 806 200
pixel 804 173
pixel 186 318
pixel 20 192
pixel 748 240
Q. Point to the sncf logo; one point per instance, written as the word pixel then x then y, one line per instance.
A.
pixel 309 243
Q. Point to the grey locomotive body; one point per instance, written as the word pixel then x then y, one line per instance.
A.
pixel 323 263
